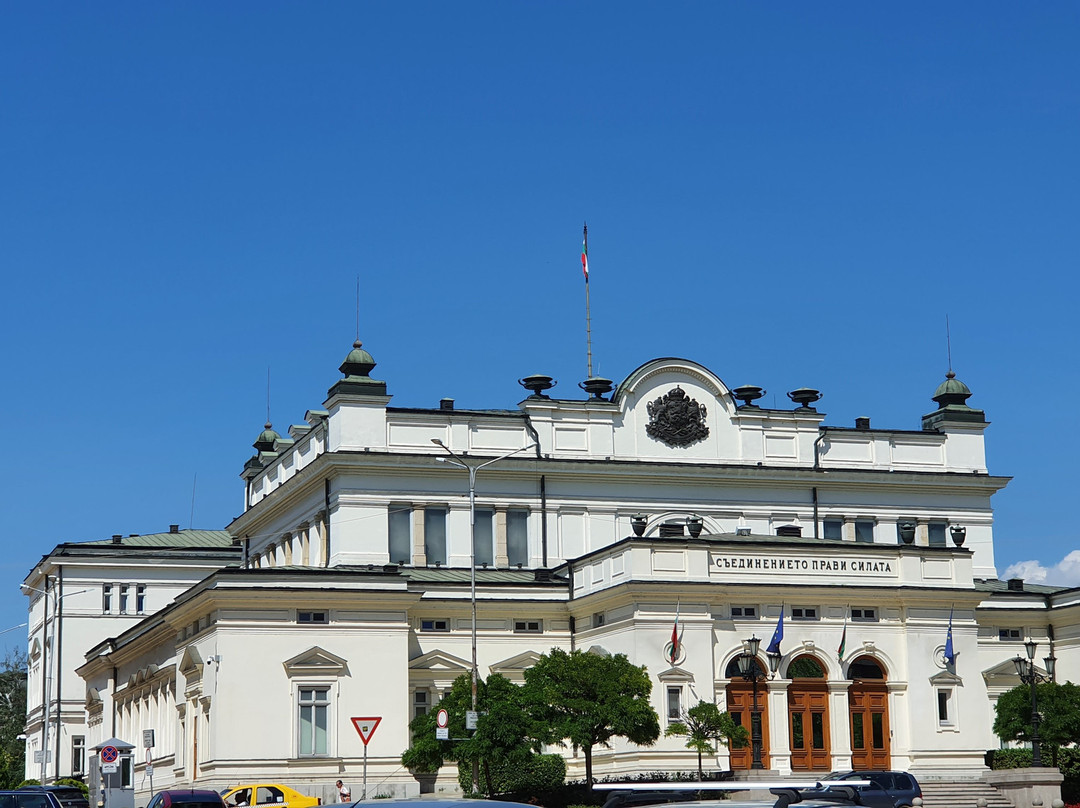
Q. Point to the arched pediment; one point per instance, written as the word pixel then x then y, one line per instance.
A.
pixel 315 660
pixel 643 375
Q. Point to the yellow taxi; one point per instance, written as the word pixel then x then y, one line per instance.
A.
pixel 269 794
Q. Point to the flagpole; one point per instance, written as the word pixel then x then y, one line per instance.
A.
pixel 588 315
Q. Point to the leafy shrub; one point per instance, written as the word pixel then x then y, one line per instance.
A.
pixel 539 773
pixel 1068 760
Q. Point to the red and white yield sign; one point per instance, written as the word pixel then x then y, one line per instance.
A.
pixel 366 727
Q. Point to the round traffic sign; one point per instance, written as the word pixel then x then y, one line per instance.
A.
pixel 442 719
pixel 109 754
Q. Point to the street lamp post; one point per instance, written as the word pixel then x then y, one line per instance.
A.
pixel 1029 676
pixel 752 672
pixel 456 460
pixel 48 630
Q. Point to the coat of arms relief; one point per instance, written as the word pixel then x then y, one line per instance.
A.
pixel 676 419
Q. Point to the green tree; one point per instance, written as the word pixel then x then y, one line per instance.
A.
pixel 588 698
pixel 1059 706
pixel 704 726
pixel 505 731
pixel 12 719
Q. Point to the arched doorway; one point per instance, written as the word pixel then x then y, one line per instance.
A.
pixel 740 704
pixel 808 715
pixel 868 710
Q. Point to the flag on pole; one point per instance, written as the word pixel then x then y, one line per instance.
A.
pixel 585 252
pixel 674 655
pixel 778 635
pixel 843 642
pixel 950 654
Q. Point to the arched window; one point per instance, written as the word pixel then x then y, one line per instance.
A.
pixel 806 667
pixel 866 668
pixel 732 670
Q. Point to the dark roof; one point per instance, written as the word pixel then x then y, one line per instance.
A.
pixel 994 585
pixel 183 539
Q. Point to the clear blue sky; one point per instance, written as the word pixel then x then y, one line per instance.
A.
pixel 789 193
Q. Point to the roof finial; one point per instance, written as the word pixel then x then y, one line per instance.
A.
pixel 948 348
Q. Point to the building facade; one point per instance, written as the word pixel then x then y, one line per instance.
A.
pixel 599 523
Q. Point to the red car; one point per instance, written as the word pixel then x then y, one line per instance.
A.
pixel 186 798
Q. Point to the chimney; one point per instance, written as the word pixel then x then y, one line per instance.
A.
pixel 1016 584
pixel 117 538
pixel 446 404
pixel 174 528
pixel 862 423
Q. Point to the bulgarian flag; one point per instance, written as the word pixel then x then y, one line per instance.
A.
pixel 585 252
pixel 674 632
pixel 843 643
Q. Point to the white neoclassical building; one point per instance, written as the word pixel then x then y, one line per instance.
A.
pixel 343 589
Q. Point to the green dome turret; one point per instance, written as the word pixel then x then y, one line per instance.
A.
pixel 951 397
pixel 357 382
pixel 358 362
pixel 266 440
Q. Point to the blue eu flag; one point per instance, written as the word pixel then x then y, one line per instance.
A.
pixel 777 636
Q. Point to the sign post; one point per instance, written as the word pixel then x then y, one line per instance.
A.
pixel 148 744
pixel 442 730
pixel 365 727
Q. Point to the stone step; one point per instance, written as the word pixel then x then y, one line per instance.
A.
pixel 961 795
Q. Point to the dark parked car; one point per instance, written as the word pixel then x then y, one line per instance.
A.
pixel 67 796
pixel 634 799
pixel 185 798
pixel 28 798
pixel 886 789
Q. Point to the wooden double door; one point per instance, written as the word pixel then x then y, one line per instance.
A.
pixel 868 710
pixel 740 704
pixel 808 726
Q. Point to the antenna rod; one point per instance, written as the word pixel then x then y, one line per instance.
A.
pixel 948 342
pixel 588 315
pixel 267 394
pixel 358 307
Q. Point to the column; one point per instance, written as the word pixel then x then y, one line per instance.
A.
pixel 287 541
pixel 779 742
pixel 502 560
pixel 419 557
pixel 839 725
pixel 305 545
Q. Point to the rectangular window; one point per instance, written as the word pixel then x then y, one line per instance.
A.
pixel 123 598
pixel 400 540
pixel 140 598
pixel 834 529
pixel 517 538
pixel 312 617
pixel 745 612
pixel 420 703
pixel 434 625
pixel 935 534
pixel 484 538
pixel 944 708
pixel 314 706
pixel 106 598
pixel 528 627
pixel 674 703
pixel 864 615
pixel 127 773
pixel 598 619
pixel 1009 634
pixel 864 530
pixel 804 613
pixel 78 754
pixel 435 536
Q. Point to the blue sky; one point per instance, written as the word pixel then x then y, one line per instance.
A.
pixel 791 194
